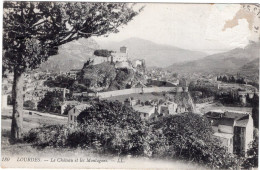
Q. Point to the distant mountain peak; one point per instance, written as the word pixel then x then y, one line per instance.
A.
pixel 237 60
pixel 153 53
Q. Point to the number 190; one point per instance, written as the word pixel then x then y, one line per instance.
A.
pixel 5 159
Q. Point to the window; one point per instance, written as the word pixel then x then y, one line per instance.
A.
pixel 71 117
pixel 75 118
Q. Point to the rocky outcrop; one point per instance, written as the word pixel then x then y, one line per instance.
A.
pixel 97 77
pixel 105 77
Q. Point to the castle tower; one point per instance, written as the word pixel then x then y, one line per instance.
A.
pixel 123 49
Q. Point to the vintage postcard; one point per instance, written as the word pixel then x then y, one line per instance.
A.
pixel 130 85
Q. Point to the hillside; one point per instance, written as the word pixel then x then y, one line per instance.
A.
pixel 72 55
pixel 250 70
pixel 232 61
pixel 104 77
pixel 154 54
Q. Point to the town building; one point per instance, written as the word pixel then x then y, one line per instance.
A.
pixel 146 111
pixel 99 59
pixel 4 101
pixel 74 113
pixel 242 95
pixel 233 128
pixel 151 109
pixel 131 101
pixel 73 73
pixel 167 108
pixel 123 64
pixel 66 104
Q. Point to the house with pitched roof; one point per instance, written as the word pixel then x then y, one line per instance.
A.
pixel 74 113
pixel 65 104
pixel 233 128
pixel 146 111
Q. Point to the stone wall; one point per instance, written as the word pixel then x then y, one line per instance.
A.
pixel 139 90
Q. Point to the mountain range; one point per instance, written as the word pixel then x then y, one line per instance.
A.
pixel 154 54
pixel 240 60
pixel 72 55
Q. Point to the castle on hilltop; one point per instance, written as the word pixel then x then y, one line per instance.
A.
pixel 120 59
pixel 115 57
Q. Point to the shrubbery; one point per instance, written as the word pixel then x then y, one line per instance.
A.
pixel 110 127
pixel 53 135
pixel 29 104
pixel 252 152
pixel 50 102
pixel 102 53
pixel 189 137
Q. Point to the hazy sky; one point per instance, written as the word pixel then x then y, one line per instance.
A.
pixel 190 26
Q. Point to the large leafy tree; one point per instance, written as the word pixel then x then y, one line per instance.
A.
pixel 33 31
pixel 189 137
pixel 50 102
pixel 125 132
pixel 111 113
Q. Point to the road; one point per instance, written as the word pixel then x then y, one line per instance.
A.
pixel 36 119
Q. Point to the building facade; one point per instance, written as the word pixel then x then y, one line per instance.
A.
pixel 74 113
pixel 233 128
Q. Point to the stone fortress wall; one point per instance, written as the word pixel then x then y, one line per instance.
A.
pixel 140 90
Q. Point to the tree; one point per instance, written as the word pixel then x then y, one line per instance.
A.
pixel 60 81
pixel 175 75
pixel 255 110
pixel 126 129
pixel 29 104
pixel 232 79
pixel 252 155
pixel 102 53
pixel 255 116
pixel 190 137
pixel 112 113
pixel 224 79
pixel 50 102
pixel 33 31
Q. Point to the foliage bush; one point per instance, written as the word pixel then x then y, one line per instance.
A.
pixel 50 102
pixel 189 137
pixel 53 135
pixel 102 53
pixel 29 104
pixel 60 81
pixel 110 127
pixel 252 152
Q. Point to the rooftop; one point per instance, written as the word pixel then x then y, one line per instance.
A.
pixel 143 109
pixel 82 107
pixel 223 135
pixel 229 118
pixel 242 122
pixel 72 102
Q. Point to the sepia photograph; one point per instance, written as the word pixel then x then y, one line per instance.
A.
pixel 123 85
